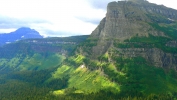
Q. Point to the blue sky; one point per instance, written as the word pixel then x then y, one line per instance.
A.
pixel 57 17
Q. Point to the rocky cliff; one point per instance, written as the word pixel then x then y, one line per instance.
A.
pixel 138 18
pixel 127 18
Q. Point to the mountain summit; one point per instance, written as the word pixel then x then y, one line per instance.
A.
pixel 21 33
pixel 125 19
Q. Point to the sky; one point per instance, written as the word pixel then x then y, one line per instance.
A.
pixel 57 18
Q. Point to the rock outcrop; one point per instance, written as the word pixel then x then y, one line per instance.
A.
pixel 154 56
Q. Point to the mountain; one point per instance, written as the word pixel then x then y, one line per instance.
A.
pixel 138 28
pixel 131 55
pixel 37 54
pixel 21 33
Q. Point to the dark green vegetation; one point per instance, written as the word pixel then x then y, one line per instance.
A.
pixel 37 54
pixel 147 42
pixel 31 70
pixel 152 41
pixel 88 44
pixel 122 78
pixel 26 65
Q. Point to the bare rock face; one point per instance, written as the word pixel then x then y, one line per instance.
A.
pixel 130 18
pixel 155 56
pixel 117 24
pixel 125 19
pixel 172 44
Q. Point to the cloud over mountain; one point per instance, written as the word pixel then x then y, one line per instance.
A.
pixel 56 16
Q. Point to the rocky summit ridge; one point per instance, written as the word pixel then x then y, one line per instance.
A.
pixel 124 19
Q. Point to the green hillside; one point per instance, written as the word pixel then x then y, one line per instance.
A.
pixel 26 65
pixel 37 54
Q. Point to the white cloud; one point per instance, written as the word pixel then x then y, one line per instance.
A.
pixel 168 3
pixel 99 4
pixel 56 17
pixel 7 30
pixel 62 15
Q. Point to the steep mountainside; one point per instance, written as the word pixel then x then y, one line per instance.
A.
pixel 132 52
pixel 146 29
pixel 127 19
pixel 19 34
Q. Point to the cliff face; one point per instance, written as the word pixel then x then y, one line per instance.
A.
pixel 155 56
pixel 138 18
pixel 125 19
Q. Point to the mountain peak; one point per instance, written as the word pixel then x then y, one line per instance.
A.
pixel 125 19
pixel 21 33
pixel 24 30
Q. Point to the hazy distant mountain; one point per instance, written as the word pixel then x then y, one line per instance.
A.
pixel 21 33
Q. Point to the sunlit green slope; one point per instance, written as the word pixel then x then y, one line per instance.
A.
pixel 26 66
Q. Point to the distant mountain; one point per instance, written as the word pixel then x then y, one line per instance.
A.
pixel 19 34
